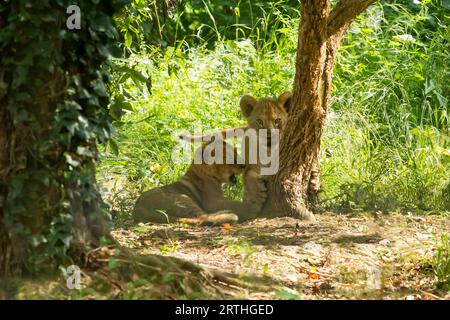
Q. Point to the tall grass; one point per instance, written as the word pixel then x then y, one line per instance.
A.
pixel 388 128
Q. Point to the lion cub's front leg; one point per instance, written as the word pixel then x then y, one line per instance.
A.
pixel 255 193
pixel 245 210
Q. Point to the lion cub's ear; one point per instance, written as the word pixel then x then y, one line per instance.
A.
pixel 285 100
pixel 248 103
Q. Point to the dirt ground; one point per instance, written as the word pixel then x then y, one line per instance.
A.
pixel 356 256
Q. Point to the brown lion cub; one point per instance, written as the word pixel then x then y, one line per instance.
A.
pixel 197 197
pixel 265 113
pixel 270 114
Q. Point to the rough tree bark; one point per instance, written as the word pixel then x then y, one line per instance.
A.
pixel 320 35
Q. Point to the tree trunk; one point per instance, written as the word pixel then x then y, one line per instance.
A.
pixel 320 35
pixel 41 203
pixel 49 211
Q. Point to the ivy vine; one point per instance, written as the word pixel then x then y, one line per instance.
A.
pixel 56 107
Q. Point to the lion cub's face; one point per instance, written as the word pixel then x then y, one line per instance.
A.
pixel 266 113
pixel 228 172
pixel 223 172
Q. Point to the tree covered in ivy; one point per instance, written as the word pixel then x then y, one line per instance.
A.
pixel 54 109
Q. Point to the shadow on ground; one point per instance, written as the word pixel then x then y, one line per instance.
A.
pixel 339 256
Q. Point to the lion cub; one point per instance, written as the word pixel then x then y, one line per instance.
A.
pixel 197 197
pixel 266 113
pixel 270 114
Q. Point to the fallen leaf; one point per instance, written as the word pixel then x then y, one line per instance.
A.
pixel 226 227
pixel 314 276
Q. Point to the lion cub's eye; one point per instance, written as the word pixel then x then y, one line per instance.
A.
pixel 278 122
pixel 260 123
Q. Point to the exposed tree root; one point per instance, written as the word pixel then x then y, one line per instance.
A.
pixel 185 276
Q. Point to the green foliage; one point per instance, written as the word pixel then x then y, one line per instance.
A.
pixel 142 22
pixel 441 261
pixel 145 23
pixel 388 123
pixel 242 248
pixel 54 91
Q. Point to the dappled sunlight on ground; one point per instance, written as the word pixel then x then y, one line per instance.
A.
pixel 341 256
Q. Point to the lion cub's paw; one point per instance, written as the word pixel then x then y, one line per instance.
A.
pixel 219 217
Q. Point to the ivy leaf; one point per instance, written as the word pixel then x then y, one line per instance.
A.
pixel 71 161
pixel 66 239
pixel 100 88
pixel 114 147
pixel 83 151
pixel 16 187
pixel 37 240
pixel 84 94
pixel 20 75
